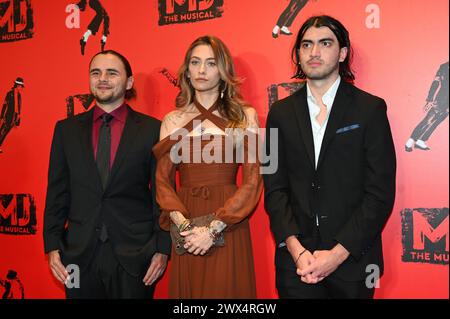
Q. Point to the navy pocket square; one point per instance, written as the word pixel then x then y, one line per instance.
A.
pixel 347 128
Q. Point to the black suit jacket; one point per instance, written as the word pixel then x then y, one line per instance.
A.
pixel 351 193
pixel 76 201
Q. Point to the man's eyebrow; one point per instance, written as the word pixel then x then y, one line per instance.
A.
pixel 326 39
pixel 320 40
pixel 109 70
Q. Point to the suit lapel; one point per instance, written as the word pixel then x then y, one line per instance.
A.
pixel 86 123
pixel 304 122
pixel 340 105
pixel 129 133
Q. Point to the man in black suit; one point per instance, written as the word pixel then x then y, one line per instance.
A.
pixel 335 184
pixel 101 214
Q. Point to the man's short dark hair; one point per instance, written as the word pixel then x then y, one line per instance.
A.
pixel 342 36
pixel 131 93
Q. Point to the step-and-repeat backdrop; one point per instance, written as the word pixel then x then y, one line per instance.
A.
pixel 401 54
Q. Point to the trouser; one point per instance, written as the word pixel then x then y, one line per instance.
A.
pixel 100 16
pixel 288 16
pixel 290 286
pixel 4 130
pixel 105 278
pixel 426 127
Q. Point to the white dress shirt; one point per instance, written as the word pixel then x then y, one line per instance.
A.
pixel 314 109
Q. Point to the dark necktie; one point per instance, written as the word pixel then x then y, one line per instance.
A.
pixel 103 159
pixel 104 148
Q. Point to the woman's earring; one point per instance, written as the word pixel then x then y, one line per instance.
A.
pixel 222 92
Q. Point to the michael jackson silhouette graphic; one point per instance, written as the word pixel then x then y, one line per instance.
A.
pixel 100 17
pixel 10 116
pixel 13 287
pixel 436 107
pixel 86 101
pixel 287 17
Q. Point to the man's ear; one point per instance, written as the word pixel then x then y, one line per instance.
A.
pixel 343 54
pixel 130 82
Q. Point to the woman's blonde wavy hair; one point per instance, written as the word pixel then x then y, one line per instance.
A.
pixel 232 104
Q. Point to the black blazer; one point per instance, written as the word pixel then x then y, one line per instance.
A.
pixel 351 193
pixel 76 201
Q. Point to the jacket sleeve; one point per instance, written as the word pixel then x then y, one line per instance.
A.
pixel 58 194
pixel 163 237
pixel 368 220
pixel 276 182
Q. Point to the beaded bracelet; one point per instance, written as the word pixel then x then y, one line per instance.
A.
pixel 214 234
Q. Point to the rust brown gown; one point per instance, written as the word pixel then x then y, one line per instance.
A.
pixel 205 188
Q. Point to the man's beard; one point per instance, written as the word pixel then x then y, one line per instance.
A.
pixel 108 99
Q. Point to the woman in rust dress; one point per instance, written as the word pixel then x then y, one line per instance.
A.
pixel 208 211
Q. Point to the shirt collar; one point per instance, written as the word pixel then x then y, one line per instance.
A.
pixel 119 114
pixel 330 94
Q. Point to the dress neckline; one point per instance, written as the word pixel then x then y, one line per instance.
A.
pixel 204 110
pixel 205 114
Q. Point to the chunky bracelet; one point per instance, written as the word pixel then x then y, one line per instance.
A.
pixel 184 225
pixel 214 234
pixel 303 251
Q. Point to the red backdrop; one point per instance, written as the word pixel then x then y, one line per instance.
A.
pixel 399 46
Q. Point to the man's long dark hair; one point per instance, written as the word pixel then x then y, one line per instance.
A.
pixel 342 36
pixel 131 93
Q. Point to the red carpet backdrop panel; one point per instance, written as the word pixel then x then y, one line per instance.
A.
pixel 401 55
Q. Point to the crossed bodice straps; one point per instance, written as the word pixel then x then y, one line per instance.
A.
pixel 205 114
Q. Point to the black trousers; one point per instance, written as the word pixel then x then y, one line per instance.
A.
pixel 290 286
pixel 4 130
pixel 100 15
pixel 290 13
pixel 105 278
pixel 426 127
